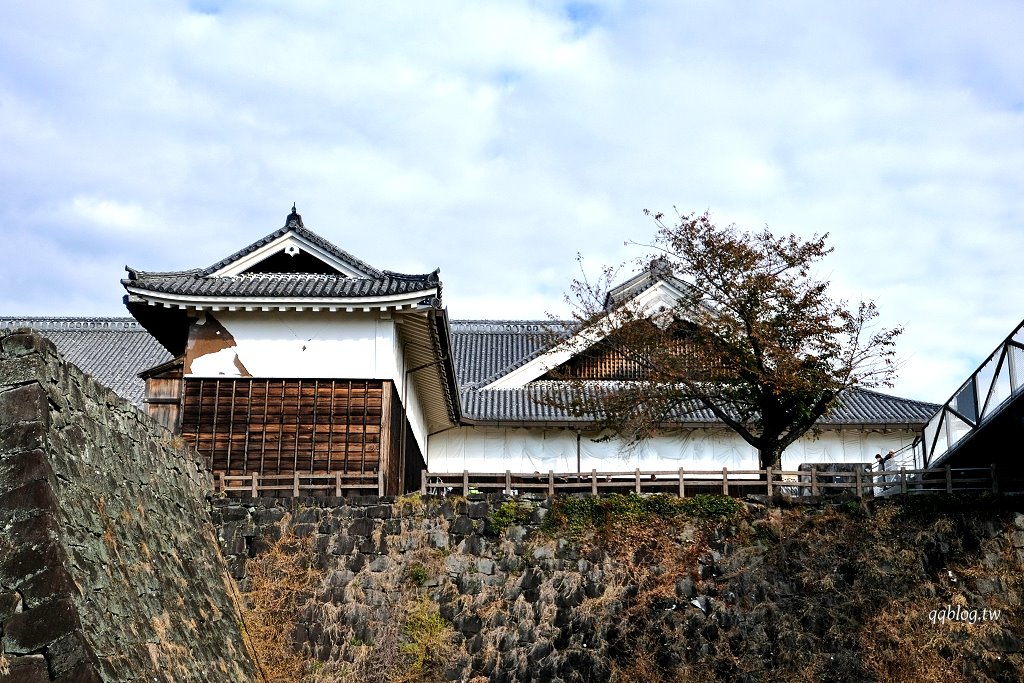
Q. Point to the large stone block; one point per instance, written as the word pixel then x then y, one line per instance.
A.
pixel 32 630
pixel 24 468
pixel 23 343
pixel 25 403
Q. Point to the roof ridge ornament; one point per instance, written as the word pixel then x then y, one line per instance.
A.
pixel 294 220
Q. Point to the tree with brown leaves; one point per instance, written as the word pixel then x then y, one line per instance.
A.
pixel 749 335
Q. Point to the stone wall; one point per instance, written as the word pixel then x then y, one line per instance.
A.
pixel 109 567
pixel 840 591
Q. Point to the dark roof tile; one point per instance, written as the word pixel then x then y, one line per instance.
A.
pixel 112 350
pixel 283 285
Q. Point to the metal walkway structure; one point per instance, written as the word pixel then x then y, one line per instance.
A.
pixel 983 422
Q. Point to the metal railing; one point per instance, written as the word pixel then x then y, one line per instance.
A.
pixel 998 379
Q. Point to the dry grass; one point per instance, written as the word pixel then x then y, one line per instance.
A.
pixel 277 579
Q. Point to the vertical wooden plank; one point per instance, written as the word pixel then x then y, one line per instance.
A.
pixel 593 482
pixel 380 482
pixel 423 482
pixel 266 418
pixel 465 482
pixel 220 482
pixel 949 479
pixel 636 483
pixel 903 480
pixel 551 484
pixel 725 481
pixel 231 426
pixel 995 481
pixel 255 485
pixel 199 417
pixel 768 477
pixel 814 481
pixel 860 481
pixel 508 482
pixel 362 451
pixel 248 428
pixel 298 425
pixel 280 434
pixel 348 428
pixel 295 484
pixel 337 484
pixel 393 455
pixel 682 484
pixel 312 427
pixel 330 427
pixel 213 429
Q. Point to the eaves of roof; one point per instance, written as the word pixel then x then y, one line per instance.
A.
pixel 856 408
pixel 280 285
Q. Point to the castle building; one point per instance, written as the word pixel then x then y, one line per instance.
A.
pixel 292 355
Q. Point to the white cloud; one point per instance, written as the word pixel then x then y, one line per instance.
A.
pixel 497 140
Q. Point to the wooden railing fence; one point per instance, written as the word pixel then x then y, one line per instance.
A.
pixel 299 484
pixel 683 482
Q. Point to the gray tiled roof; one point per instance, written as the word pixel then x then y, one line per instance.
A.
pixel 112 350
pixel 283 284
pixel 487 349
pixel 199 281
pixel 856 407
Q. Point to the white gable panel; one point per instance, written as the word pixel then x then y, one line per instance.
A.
pixel 292 244
pixel 661 296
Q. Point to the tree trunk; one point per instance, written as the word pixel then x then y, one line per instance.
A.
pixel 769 456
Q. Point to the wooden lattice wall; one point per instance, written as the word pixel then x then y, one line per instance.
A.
pixel 276 426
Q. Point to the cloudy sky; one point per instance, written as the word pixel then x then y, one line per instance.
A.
pixel 495 140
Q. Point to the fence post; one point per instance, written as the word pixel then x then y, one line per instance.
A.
pixel 636 487
pixel 255 485
pixel 508 482
pixel 593 482
pixel 768 478
pixel 295 485
pixel 682 484
pixel 380 482
pixel 949 479
pixel 995 482
pixel 551 483
pixel 859 469
pixel 725 481
pixel 337 484
pixel 903 479
pixel 814 481
pixel 423 482
pixel 465 482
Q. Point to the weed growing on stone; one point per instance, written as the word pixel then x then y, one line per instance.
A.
pixel 417 574
pixel 429 640
pixel 575 516
pixel 507 514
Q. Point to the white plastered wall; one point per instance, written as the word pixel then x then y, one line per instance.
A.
pixel 496 449
pixel 301 344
